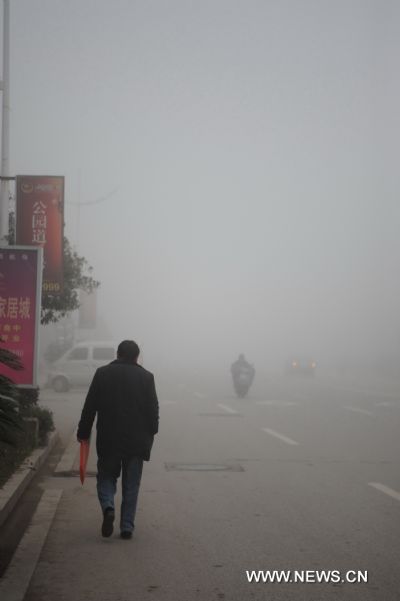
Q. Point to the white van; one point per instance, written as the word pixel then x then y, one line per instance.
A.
pixel 77 366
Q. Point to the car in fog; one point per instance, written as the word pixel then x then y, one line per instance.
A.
pixel 300 366
pixel 78 365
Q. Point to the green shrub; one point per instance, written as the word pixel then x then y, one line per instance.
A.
pixel 27 398
pixel 10 419
pixel 46 422
pixel 11 456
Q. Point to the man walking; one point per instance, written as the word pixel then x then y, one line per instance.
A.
pixel 123 395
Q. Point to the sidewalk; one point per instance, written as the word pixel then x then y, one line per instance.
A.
pixel 64 558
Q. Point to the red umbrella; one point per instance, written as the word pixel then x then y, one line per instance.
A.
pixel 84 455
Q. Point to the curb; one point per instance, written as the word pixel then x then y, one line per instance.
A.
pixel 67 461
pixel 18 482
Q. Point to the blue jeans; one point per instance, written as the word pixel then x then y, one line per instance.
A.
pixel 108 471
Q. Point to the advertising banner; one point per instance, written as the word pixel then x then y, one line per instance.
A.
pixel 20 302
pixel 40 222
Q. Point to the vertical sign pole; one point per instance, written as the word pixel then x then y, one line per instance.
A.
pixel 5 126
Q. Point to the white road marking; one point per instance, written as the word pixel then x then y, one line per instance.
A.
pixel 386 490
pixel 16 579
pixel 278 403
pixel 358 410
pixel 280 436
pixel 227 408
pixel 67 460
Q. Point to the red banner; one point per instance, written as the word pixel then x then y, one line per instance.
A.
pixel 20 290
pixel 40 222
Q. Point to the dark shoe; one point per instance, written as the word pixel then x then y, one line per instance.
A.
pixel 107 527
pixel 126 534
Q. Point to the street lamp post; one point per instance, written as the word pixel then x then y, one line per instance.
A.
pixel 5 126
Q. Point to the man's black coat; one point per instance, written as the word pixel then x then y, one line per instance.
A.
pixel 124 397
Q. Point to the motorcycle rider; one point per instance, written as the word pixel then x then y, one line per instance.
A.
pixel 241 365
pixel 242 370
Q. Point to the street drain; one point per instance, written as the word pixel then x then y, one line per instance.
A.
pixel 203 467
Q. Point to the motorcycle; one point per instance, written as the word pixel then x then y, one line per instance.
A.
pixel 242 380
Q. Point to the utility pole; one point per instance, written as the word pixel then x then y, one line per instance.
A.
pixel 5 126
pixel 87 203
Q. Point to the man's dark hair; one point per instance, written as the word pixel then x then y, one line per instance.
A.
pixel 129 350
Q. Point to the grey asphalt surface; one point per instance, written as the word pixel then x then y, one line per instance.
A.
pixel 304 506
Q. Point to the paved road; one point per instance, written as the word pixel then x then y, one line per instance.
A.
pixel 302 475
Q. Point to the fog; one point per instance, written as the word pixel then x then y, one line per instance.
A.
pixel 248 155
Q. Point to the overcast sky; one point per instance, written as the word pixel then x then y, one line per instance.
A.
pixel 253 147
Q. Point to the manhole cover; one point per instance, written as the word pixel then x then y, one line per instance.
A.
pixel 203 467
pixel 220 414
